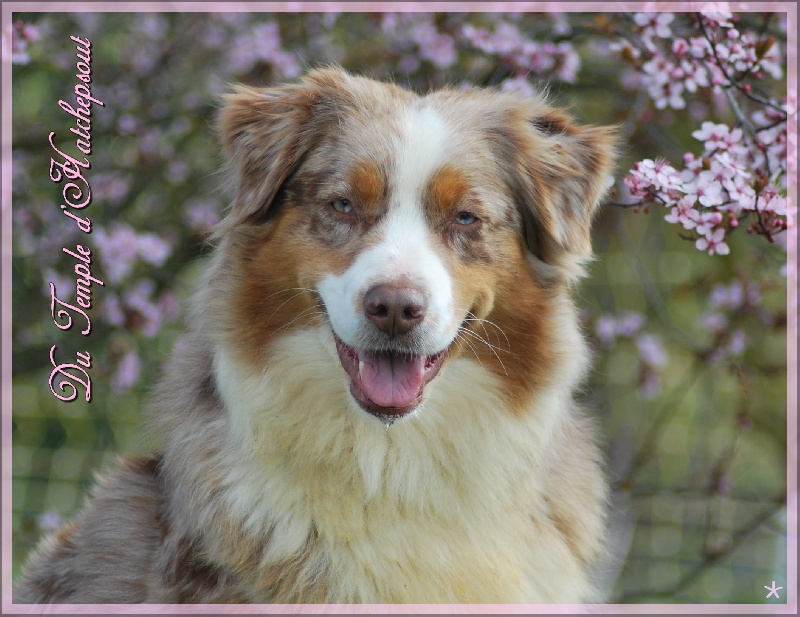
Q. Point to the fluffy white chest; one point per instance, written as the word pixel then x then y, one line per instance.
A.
pixel 445 506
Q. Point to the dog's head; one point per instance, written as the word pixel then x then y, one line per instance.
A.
pixel 415 228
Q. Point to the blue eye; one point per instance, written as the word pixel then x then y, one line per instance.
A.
pixel 465 218
pixel 342 205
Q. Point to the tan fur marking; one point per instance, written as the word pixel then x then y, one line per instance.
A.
pixel 266 297
pixel 448 187
pixel 515 342
pixel 368 183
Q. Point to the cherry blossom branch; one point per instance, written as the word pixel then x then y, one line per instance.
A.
pixel 746 91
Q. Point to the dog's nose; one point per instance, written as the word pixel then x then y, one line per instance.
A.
pixel 395 309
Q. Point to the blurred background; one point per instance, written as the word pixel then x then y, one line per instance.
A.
pixel 690 376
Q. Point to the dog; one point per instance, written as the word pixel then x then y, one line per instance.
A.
pixel 375 401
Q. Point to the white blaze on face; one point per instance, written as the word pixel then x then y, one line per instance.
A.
pixel 403 252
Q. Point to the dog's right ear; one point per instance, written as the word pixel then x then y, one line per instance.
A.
pixel 265 132
pixel 264 135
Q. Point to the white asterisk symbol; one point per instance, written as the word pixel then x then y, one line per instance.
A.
pixel 772 590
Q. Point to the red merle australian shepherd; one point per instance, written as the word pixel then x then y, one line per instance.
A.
pixel 375 402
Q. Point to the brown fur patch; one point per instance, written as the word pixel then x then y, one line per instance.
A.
pixel 191 577
pixel 511 334
pixel 448 188
pixel 266 296
pixel 142 464
pixel 368 182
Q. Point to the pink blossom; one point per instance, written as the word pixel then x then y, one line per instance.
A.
pixel 128 372
pixel 153 249
pixel 433 46
pixel 705 189
pixel 719 18
pixel 625 46
pixel 771 61
pixel 637 184
pixel 658 69
pixel 660 173
pixel 49 522
pixel 21 35
pixel 695 76
pixel 684 213
pixel 742 197
pixel 202 214
pixel 568 62
pixel 714 321
pixel 408 63
pixel 668 95
pixel 262 43
pixel 655 23
pixel 112 310
pixel 729 297
pixel 651 350
pixel 626 325
pixel 766 116
pixel 536 57
pixel 728 172
pixel 742 52
pixel 561 25
pixel 518 84
pixel 629 323
pixel 139 298
pixel 177 171
pixel 111 187
pixel 507 39
pixel 738 343
pixel 478 37
pixel 118 247
pixel 713 243
pixel 680 47
pixel 606 329
pixel 707 222
pixel 699 48
pixel 523 54
pixel 714 135
pixel 693 166
pixel 441 52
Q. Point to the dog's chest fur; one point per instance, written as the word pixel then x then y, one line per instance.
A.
pixel 323 507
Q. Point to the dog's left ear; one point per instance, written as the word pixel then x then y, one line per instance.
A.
pixel 560 173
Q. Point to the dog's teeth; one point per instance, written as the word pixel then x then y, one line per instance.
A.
pixel 360 368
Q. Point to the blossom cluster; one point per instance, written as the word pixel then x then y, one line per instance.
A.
pixel 524 55
pixel 518 55
pixel 417 38
pixel 120 247
pixel 21 35
pixel 629 325
pixel 718 56
pixel 740 176
pixel 261 43
pixel 726 305
pixel 730 183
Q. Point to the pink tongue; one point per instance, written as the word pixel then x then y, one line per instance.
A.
pixel 392 381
